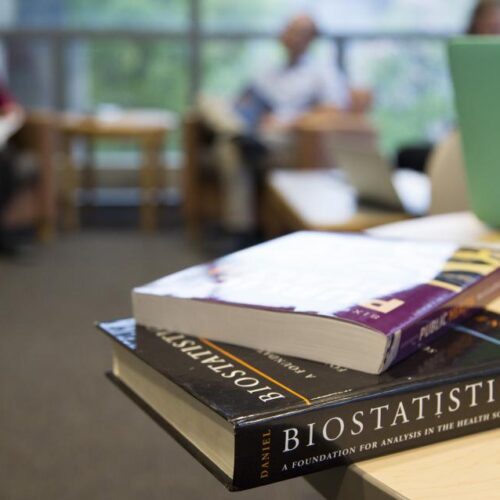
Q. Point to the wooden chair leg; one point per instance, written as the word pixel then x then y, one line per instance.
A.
pixel 45 230
pixel 272 225
pixel 70 183
pixel 149 183
pixel 46 196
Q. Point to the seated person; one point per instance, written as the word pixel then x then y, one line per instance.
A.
pixel 267 111
pixel 484 20
pixel 276 98
pixel 11 119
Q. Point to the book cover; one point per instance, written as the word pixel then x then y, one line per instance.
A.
pixel 291 416
pixel 399 294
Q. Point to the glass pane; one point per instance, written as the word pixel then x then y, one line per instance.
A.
pixel 120 13
pixel 101 13
pixel 341 16
pixel 229 66
pixel 7 13
pixel 257 14
pixel 149 75
pixel 410 80
pixel 132 74
pixel 29 69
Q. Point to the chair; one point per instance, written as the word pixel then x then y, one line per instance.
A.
pixel 201 200
pixel 34 144
pixel 446 169
pixel 321 199
pixel 201 185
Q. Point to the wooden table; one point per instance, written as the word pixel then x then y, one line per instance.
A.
pixel 312 131
pixel 316 200
pixel 462 227
pixel 467 468
pixel 147 128
pixel 463 468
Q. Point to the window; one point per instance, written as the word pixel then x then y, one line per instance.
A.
pixel 160 53
pixel 408 108
pixel 228 66
pixel 150 14
pixel 340 16
pixel 132 74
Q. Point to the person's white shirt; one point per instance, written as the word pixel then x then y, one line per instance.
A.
pixel 293 90
pixel 290 91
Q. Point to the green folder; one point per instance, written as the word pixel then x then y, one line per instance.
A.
pixel 475 67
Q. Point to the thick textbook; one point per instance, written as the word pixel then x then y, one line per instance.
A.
pixel 353 300
pixel 255 417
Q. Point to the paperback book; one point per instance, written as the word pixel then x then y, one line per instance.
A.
pixel 352 300
pixel 253 417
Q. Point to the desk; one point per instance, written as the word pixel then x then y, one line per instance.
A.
pixel 463 227
pixel 463 468
pixel 316 200
pixel 148 129
pixel 313 129
pixel 459 469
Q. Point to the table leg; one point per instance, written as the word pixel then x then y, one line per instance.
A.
pixel 46 191
pixel 89 181
pixel 70 183
pixel 149 182
pixel 272 218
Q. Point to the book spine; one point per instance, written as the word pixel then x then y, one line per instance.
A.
pixel 432 325
pixel 286 446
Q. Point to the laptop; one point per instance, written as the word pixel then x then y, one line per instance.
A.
pixel 374 179
pixel 475 68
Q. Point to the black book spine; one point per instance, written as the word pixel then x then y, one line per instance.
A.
pixel 286 446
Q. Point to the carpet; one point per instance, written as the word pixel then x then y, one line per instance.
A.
pixel 65 431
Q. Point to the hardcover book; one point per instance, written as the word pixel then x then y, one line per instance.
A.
pixel 353 300
pixel 255 417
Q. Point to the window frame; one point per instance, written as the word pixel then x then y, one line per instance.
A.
pixel 194 36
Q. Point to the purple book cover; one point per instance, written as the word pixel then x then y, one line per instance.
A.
pixel 407 290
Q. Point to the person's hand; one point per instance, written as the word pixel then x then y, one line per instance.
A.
pixel 12 118
pixel 273 123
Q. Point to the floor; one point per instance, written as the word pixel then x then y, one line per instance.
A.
pixel 65 431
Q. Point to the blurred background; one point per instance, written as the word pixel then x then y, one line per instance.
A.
pixel 160 53
pixel 114 166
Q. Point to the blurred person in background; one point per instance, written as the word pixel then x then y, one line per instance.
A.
pixel 485 18
pixel 484 21
pixel 277 97
pixel 257 134
pixel 11 119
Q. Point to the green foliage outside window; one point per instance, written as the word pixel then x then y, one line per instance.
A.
pixel 410 81
pixel 127 13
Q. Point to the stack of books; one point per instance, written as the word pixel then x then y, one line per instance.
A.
pixel 315 350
